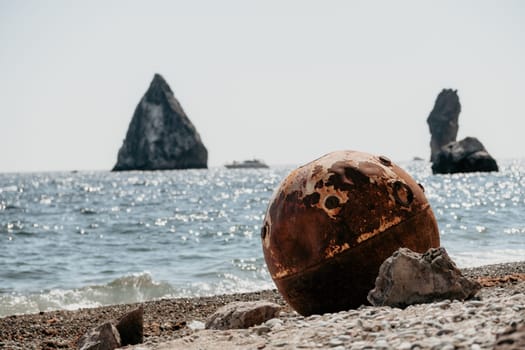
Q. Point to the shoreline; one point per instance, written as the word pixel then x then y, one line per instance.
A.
pixel 167 321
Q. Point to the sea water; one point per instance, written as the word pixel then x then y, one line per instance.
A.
pixel 83 239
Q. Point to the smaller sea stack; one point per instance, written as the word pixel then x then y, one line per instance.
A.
pixel 446 154
pixel 443 121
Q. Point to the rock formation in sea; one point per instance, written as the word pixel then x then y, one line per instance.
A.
pixel 160 135
pixel 443 121
pixel 467 155
pixel 446 154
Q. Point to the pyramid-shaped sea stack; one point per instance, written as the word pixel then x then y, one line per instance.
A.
pixel 160 135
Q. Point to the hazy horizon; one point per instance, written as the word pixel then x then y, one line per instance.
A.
pixel 285 82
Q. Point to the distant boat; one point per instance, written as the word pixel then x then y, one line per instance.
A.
pixel 246 164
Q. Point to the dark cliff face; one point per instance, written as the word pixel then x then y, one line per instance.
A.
pixel 160 135
pixel 443 121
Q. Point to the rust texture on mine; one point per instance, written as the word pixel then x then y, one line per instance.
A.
pixel 331 224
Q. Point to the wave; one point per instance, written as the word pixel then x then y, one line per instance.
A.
pixel 132 288
pixel 477 258
pixel 127 289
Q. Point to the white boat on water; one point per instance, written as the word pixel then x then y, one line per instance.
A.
pixel 246 164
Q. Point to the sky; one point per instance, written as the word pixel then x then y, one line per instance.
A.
pixel 284 81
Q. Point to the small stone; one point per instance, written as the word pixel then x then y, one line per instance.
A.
pixel 444 332
pixel 470 332
pixel 460 337
pixel 360 345
pixel 335 342
pixel 474 303
pixel 512 338
pixel 242 315
pixel 458 318
pixel 313 317
pixel 496 308
pixel 274 323
pixel 405 346
pixel 280 344
pixel 262 329
pixel 381 344
pixel 344 337
pixel 321 323
pixel 104 337
pixel 196 325
pixel 131 327
pixel 445 304
pixel 155 328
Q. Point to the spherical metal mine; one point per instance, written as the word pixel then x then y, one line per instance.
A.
pixel 332 223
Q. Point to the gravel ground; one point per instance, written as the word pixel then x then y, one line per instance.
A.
pixel 443 325
pixel 163 320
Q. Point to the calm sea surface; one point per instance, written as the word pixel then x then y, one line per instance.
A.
pixel 70 240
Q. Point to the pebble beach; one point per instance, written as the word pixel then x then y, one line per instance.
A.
pixel 178 323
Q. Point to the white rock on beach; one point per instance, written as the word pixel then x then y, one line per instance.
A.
pixel 242 314
pixel 408 278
